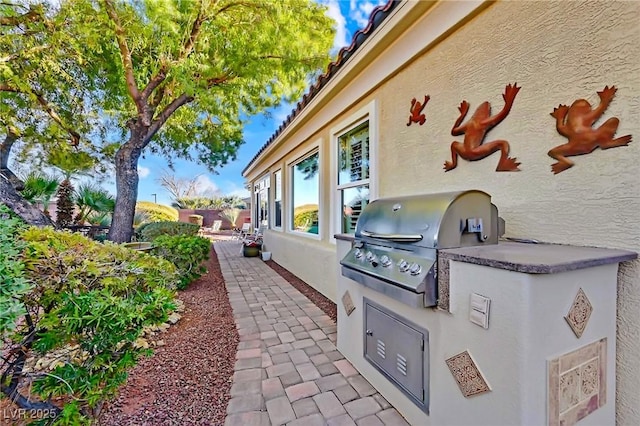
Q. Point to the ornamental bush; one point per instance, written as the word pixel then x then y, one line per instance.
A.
pixel 151 231
pixel 75 338
pixel 12 281
pixel 157 212
pixel 186 252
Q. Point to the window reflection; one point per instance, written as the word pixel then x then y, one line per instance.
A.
pixel 306 194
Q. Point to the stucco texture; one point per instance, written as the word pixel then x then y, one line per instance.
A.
pixel 557 52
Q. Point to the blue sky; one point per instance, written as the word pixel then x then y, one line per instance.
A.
pixel 350 15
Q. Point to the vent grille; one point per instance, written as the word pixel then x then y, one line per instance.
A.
pixel 381 349
pixel 401 363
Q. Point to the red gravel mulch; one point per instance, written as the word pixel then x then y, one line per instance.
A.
pixel 187 381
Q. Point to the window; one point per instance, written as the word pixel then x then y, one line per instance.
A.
pixel 353 174
pixel 261 196
pixel 277 200
pixel 305 192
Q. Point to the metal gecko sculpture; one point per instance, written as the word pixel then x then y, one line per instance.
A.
pixel 475 129
pixel 416 115
pixel 576 124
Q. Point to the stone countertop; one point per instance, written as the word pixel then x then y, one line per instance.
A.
pixel 532 258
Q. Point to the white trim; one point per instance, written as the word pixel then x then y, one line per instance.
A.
pixel 275 188
pixel 367 113
pixel 311 149
pixel 412 27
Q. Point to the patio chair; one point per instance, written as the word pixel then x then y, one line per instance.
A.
pixel 239 234
pixel 216 225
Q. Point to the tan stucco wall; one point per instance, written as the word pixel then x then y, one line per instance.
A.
pixel 564 51
pixel 557 52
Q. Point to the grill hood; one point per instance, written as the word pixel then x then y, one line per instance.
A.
pixel 433 221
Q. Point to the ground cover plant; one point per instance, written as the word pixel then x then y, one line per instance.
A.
pixel 186 252
pixel 151 231
pixel 72 312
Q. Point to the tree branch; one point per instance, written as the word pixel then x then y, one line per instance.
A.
pixel 125 55
pixel 49 109
pixel 181 100
pixel 33 15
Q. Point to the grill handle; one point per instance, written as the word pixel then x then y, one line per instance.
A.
pixel 399 238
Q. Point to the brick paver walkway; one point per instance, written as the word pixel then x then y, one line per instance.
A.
pixel 288 370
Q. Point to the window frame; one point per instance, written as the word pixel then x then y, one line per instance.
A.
pixel 311 150
pixel 368 113
pixel 275 200
pixel 261 185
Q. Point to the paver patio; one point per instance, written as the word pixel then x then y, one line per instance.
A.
pixel 288 370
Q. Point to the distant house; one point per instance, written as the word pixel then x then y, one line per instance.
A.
pixel 351 140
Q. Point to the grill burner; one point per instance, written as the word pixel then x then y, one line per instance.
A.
pixel 397 241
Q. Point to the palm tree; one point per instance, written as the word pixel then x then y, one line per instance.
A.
pixel 39 188
pixel 70 163
pixel 92 200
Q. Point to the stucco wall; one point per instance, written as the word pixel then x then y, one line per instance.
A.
pixel 315 264
pixel 557 52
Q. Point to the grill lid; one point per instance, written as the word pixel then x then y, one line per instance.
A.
pixel 435 221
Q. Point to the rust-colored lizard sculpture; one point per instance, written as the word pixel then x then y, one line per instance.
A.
pixel 575 123
pixel 416 115
pixel 475 130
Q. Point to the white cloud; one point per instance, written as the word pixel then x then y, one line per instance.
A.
pixel 143 172
pixel 234 189
pixel 360 11
pixel 205 186
pixel 341 24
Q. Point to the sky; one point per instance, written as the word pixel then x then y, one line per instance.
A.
pixel 349 15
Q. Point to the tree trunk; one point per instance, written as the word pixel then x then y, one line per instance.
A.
pixel 25 210
pixel 127 190
pixel 5 151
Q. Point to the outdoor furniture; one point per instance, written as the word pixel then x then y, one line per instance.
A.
pixel 239 234
pixel 216 225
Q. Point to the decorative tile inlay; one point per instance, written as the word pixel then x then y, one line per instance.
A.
pixel 579 313
pixel 347 303
pixel 577 383
pixel 467 374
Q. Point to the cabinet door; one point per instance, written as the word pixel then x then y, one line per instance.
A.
pixel 397 350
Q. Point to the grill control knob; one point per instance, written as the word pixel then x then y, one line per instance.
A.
pixel 357 253
pixel 370 256
pixel 415 269
pixel 403 265
pixel 385 261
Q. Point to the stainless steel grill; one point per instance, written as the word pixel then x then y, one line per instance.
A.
pixel 397 241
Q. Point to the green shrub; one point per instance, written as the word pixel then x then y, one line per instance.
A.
pixel 151 231
pixel 12 282
pixel 186 252
pixel 157 212
pixel 87 305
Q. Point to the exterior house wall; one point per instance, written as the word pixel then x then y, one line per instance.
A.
pixel 557 52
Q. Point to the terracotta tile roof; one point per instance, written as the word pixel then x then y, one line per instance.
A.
pixel 378 15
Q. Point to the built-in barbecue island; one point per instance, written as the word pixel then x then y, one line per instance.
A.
pixel 456 325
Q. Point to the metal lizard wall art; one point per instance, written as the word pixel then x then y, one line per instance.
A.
pixel 475 129
pixel 576 124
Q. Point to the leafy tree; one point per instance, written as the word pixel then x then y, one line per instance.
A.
pixel 43 94
pixel 177 76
